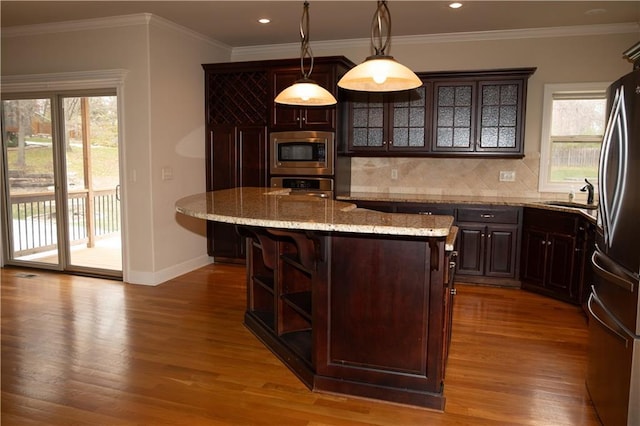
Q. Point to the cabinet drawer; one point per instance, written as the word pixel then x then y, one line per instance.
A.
pixel 418 208
pixel 489 215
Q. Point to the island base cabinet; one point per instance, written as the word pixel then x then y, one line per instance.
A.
pixel 353 314
pixel 381 320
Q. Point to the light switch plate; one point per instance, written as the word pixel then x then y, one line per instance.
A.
pixel 167 173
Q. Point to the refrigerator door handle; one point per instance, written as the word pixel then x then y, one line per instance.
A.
pixel 610 204
pixel 622 332
pixel 616 276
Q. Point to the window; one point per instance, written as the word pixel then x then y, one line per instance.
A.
pixel 573 123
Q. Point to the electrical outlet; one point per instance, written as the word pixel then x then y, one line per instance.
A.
pixel 507 176
pixel 394 174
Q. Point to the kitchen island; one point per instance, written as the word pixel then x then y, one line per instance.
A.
pixel 352 301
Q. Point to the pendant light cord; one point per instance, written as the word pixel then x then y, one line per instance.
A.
pixel 305 48
pixel 382 16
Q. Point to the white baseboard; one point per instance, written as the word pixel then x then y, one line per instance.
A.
pixel 155 278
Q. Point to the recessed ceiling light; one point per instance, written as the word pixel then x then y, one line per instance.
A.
pixel 264 20
pixel 455 5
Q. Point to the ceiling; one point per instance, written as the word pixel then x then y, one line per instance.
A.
pixel 234 23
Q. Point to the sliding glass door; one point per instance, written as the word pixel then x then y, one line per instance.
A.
pixel 61 206
pixel 31 210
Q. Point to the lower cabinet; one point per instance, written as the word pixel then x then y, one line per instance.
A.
pixel 238 157
pixel 556 247
pixel 354 314
pixel 488 242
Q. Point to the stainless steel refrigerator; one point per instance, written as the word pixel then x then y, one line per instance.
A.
pixel 613 372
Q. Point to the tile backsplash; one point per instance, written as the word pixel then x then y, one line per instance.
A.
pixel 449 176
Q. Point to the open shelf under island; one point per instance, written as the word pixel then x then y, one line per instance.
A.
pixel 353 301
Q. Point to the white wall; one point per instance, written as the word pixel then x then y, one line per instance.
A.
pixel 163 113
pixel 177 143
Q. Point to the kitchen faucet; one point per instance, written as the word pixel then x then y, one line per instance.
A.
pixel 588 188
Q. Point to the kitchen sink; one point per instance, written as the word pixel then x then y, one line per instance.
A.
pixel 571 204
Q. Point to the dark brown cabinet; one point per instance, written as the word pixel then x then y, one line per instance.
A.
pixel 389 121
pixel 236 108
pixel 239 157
pixel 318 303
pixel 555 250
pixel 482 117
pixel 240 113
pixel 285 117
pixel 488 241
pixel 466 113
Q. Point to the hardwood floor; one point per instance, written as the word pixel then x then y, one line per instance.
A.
pixel 82 351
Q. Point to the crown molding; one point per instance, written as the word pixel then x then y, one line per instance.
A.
pixel 272 50
pixel 165 23
pixel 79 25
pixel 109 22
pixel 63 81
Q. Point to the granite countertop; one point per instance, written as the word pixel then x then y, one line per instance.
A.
pixel 280 209
pixel 463 199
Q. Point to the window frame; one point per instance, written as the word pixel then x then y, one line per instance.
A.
pixel 560 89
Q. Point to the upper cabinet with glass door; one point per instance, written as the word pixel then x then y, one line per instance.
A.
pixel 388 122
pixel 478 113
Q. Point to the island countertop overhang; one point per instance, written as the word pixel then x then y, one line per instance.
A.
pixel 264 207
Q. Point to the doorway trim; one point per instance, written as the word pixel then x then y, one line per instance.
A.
pixel 82 80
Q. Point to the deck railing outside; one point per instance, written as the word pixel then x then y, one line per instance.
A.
pixel 35 226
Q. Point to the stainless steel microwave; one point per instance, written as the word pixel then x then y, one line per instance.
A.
pixel 302 153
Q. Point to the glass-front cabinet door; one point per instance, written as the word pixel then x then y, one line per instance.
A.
pixel 499 116
pixel 389 121
pixel 408 110
pixel 454 117
pixel 367 122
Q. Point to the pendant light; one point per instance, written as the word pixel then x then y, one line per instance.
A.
pixel 380 72
pixel 305 92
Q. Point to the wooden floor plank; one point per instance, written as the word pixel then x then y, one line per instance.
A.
pixel 78 350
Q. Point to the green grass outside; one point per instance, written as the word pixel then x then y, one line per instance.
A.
pixel 573 174
pixel 39 160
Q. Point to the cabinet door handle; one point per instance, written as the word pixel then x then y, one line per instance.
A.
pixel 454 291
pixel 390 142
pixel 487 216
pixel 425 213
pixel 548 243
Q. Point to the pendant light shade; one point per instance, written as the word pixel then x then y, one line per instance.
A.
pixel 380 72
pixel 305 92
